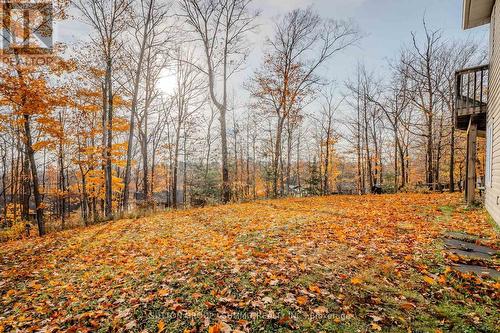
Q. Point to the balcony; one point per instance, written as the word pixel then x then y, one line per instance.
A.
pixel 471 97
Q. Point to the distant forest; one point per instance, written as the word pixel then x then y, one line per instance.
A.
pixel 96 133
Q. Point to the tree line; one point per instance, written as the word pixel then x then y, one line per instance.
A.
pixel 93 133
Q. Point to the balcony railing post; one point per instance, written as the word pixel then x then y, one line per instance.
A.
pixel 467 100
pixel 481 88
pixel 470 99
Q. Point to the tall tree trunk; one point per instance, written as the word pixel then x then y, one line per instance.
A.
pixel 26 187
pixel 360 181
pixel 326 186
pixel 430 159
pixel 34 176
pixel 62 186
pixel 452 150
pixel 109 144
pixel 175 167
pixel 277 155
pixel 298 159
pixel 289 157
pixel 133 111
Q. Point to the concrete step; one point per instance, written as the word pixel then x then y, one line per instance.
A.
pixel 479 270
pixel 464 245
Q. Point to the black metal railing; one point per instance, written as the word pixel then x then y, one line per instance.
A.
pixel 471 90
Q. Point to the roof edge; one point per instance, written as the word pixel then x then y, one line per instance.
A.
pixel 479 19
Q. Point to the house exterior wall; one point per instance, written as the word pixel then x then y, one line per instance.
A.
pixel 492 182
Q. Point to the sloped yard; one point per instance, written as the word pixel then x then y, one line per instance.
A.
pixel 332 264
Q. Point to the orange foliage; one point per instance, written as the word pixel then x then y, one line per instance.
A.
pixel 293 253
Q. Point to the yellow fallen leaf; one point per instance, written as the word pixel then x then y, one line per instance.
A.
pixel 356 281
pixel 429 280
pixel 375 327
pixel 162 292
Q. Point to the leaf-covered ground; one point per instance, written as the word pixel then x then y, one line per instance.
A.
pixel 330 264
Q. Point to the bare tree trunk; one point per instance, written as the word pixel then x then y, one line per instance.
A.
pixel 175 166
pixel 429 163
pixel 34 176
pixel 62 186
pixel 360 181
pixel 26 186
pixel 298 159
pixel 452 150
pixel 133 111
pixel 109 144
pixel 277 155
pixel 288 156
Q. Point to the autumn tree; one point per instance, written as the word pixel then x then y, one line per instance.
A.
pixel 301 44
pixel 327 122
pixel 108 19
pixel 28 91
pixel 189 99
pixel 148 30
pixel 220 27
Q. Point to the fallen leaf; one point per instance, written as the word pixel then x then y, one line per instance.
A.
pixel 320 310
pixel 162 292
pixel 161 326
pixel 267 300
pixel 315 289
pixel 429 280
pixel 408 306
pixel 131 324
pixel 215 328
pixel 356 281
pixel 301 300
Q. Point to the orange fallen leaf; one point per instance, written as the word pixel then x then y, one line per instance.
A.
pixel 315 289
pixel 176 307
pixel 161 326
pixel 301 300
pixel 408 306
pixel 215 328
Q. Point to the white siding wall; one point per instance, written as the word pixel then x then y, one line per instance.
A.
pixel 493 189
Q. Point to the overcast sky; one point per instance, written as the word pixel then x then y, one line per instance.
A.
pixel 386 24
